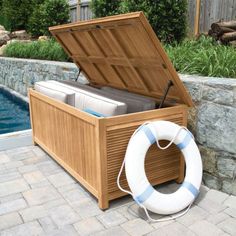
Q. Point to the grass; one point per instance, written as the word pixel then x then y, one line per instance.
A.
pixel 203 57
pixel 44 50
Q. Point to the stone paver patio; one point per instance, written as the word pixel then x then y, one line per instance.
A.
pixel 38 197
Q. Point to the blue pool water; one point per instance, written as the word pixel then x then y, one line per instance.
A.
pixel 14 113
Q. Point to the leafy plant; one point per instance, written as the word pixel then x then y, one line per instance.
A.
pixel 167 17
pixel 203 57
pixel 45 50
pixel 49 13
pixel 15 13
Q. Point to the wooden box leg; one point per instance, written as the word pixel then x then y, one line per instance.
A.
pixel 103 203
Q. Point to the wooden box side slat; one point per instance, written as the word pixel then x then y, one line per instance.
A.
pixel 67 137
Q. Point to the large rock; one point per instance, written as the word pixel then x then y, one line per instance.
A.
pixel 2 27
pixel 216 127
pixel 4 37
pixel 2 49
pixel 20 34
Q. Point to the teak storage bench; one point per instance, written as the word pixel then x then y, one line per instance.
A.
pixel 121 52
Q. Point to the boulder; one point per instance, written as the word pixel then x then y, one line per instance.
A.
pixel 43 38
pixel 2 49
pixel 20 34
pixel 3 37
pixel 2 27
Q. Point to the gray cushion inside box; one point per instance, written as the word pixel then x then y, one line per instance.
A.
pixel 135 103
pixel 57 92
pixel 85 99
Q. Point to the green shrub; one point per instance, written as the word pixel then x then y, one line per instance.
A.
pixel 44 50
pixel 101 8
pixel 49 13
pixel 167 17
pixel 15 13
pixel 203 57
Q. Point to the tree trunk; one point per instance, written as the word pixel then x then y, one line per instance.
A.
pixel 227 37
pixel 229 24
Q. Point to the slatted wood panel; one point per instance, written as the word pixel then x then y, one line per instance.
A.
pixel 211 11
pixel 160 165
pixel 69 139
pixel 122 52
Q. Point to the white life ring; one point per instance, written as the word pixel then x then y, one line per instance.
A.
pixel 142 191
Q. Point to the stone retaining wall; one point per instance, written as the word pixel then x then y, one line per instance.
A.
pixel 212 121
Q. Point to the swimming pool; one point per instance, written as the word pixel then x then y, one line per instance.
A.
pixel 14 113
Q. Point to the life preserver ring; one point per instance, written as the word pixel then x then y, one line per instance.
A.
pixel 142 191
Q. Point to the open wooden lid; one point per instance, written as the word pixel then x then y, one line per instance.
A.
pixel 122 52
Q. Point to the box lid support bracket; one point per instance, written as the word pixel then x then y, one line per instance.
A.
pixel 170 83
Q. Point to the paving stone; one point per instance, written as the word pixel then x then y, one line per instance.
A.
pixel 137 227
pixel 111 219
pixel 47 224
pixel 85 207
pixel 205 228
pixel 13 164
pixel 73 195
pixel 34 177
pixel 210 206
pixel 38 151
pixel 40 195
pixel 41 184
pixel 54 203
pixel 4 158
pixel 88 226
pixel 33 160
pixel 61 179
pixel 115 231
pixel 216 196
pixel 194 214
pixel 48 167
pixel 33 213
pixel 230 202
pixel 11 206
pixel 9 176
pixel 22 155
pixel 173 229
pixel 11 187
pixel 158 225
pixel 229 226
pixel 27 168
pixel 11 197
pixel 230 211
pixel 30 229
pixel 129 211
pixel 69 187
pixel 64 215
pixel 67 230
pixel 9 220
pixel 217 218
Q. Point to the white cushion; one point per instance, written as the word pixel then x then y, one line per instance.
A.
pixel 56 91
pixel 135 103
pixel 86 99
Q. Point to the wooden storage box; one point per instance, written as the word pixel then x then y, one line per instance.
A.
pixel 121 52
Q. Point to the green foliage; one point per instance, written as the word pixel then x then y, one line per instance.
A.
pixel 44 50
pixel 101 8
pixel 15 13
pixel 203 57
pixel 49 13
pixel 167 17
